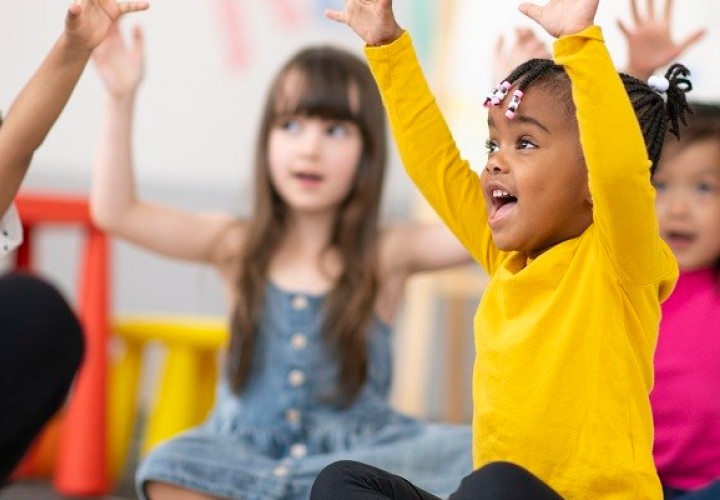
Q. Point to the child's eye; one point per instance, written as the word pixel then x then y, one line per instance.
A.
pixel 490 146
pixel 524 143
pixel 659 185
pixel 338 130
pixel 705 187
pixel 289 124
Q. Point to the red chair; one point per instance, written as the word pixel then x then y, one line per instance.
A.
pixel 82 464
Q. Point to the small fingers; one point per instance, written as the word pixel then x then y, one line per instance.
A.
pixel 127 7
pixel 668 10
pixel 523 34
pixel 624 29
pixel 138 37
pixel 635 12
pixel 651 9
pixel 386 4
pixel 530 10
pixel 73 14
pixel 335 15
pixel 692 40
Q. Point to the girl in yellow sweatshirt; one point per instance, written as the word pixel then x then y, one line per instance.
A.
pixel 562 219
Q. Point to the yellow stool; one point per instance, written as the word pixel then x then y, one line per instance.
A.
pixel 188 380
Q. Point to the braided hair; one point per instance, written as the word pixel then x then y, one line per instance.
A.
pixel 657 115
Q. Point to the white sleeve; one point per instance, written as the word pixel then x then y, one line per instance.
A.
pixel 11 235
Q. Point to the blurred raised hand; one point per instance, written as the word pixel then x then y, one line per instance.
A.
pixel 121 66
pixel 88 21
pixel 650 43
pixel 39 104
pixel 525 46
pixel 562 17
pixel 372 20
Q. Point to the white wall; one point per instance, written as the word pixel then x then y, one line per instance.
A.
pixel 198 108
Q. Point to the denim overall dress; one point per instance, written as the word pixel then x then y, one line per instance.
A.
pixel 272 440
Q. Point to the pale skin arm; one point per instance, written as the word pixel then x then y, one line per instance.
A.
pixel 39 104
pixel 113 201
pixel 418 247
pixel 411 248
pixel 650 44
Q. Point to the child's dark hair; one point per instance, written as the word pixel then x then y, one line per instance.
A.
pixel 705 124
pixel 656 115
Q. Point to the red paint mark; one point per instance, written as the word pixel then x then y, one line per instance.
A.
pixel 231 15
pixel 289 12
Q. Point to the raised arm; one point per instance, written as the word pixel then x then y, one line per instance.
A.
pixel 650 43
pixel 612 142
pixel 113 201
pixel 426 145
pixel 421 246
pixel 39 104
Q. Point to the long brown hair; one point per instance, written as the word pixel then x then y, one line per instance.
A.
pixel 329 77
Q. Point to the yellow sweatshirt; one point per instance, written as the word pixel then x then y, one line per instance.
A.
pixel 564 342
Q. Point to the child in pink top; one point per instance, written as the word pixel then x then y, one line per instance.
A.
pixel 686 396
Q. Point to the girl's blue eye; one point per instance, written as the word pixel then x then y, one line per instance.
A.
pixel 339 130
pixel 290 124
pixel 659 185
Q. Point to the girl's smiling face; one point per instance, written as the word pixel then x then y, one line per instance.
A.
pixel 688 202
pixel 313 159
pixel 535 183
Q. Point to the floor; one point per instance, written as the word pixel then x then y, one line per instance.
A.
pixel 42 490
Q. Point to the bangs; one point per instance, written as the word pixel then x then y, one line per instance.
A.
pixel 319 91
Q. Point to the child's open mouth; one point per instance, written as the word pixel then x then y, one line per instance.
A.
pixel 308 179
pixel 502 203
pixel 679 240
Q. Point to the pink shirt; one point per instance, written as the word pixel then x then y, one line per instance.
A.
pixel 686 396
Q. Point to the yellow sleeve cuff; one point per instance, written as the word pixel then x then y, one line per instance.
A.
pixel 570 44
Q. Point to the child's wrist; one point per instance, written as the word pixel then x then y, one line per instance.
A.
pixel 574 30
pixel 123 98
pixel 387 40
pixel 73 47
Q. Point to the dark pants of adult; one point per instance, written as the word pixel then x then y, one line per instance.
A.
pixel 41 346
pixel 349 480
pixel 709 492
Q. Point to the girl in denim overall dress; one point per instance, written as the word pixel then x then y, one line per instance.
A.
pixel 314 282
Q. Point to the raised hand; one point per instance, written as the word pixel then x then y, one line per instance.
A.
pixel 88 21
pixel 526 46
pixel 562 17
pixel 650 45
pixel 372 20
pixel 121 67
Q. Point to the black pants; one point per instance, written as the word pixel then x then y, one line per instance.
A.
pixel 41 346
pixel 349 480
pixel 709 492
